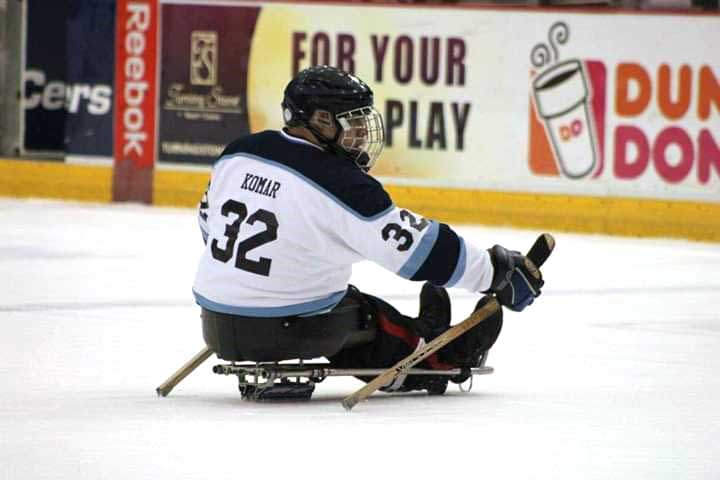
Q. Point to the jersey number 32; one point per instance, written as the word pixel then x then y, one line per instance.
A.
pixel 224 254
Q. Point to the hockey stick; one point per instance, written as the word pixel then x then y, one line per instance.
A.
pixel 177 377
pixel 539 252
pixel 419 355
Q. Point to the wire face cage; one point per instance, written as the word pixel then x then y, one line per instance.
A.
pixel 363 135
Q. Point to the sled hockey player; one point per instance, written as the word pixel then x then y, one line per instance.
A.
pixel 288 212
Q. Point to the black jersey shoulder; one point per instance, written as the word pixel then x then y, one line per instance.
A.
pixel 340 178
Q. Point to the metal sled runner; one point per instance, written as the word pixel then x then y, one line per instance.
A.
pixel 296 381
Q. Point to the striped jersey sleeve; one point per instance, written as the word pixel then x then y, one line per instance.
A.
pixel 417 248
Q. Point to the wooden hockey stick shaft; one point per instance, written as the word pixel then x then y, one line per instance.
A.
pixel 421 354
pixel 177 377
pixel 538 253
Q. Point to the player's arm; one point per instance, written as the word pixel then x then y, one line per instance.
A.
pixel 421 249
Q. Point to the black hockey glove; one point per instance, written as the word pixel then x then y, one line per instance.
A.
pixel 516 281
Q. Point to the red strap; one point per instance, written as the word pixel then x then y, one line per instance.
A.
pixel 398 331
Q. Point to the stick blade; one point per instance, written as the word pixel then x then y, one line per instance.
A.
pixel 349 402
pixel 166 387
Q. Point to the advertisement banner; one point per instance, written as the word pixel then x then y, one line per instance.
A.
pixel 620 105
pixel 68 81
pixel 89 77
pixel 203 89
pixel 135 100
pixel 642 121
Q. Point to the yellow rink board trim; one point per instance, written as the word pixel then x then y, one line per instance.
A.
pixel 179 188
pixel 55 179
pixel 619 216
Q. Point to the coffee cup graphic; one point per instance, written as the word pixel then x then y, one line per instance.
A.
pixel 561 98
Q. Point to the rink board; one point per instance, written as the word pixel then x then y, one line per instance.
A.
pixel 621 216
pixel 594 121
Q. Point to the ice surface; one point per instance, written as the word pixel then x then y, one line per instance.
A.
pixel 613 374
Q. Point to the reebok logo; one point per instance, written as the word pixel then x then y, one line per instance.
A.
pixel 135 78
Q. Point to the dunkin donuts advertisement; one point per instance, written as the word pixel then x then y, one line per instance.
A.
pixel 624 105
pixel 634 121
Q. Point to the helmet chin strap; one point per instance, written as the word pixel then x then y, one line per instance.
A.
pixel 364 163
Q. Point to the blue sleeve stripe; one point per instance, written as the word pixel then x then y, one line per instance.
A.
pixel 421 253
pixel 460 267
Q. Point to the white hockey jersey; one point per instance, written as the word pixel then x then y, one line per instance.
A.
pixel 284 221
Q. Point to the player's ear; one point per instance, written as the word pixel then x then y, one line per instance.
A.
pixel 322 119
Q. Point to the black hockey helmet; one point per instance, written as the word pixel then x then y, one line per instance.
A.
pixel 360 135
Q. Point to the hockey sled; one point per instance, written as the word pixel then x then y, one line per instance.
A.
pixel 264 381
pixel 296 381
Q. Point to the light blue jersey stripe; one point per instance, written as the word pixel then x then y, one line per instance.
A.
pixel 297 309
pixel 310 182
pixel 421 253
pixel 460 267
